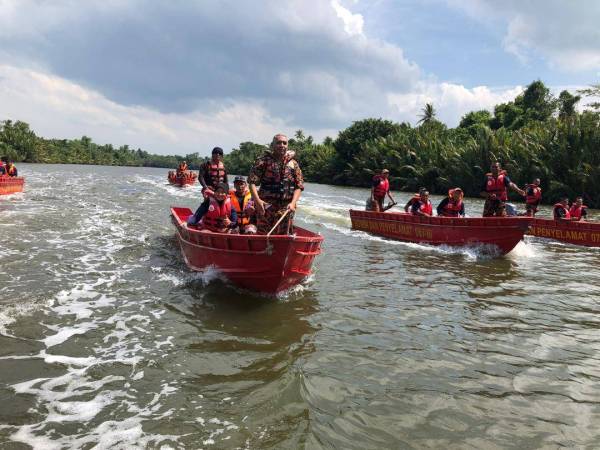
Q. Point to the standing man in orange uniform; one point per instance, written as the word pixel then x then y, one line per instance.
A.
pixel 495 190
pixel 212 173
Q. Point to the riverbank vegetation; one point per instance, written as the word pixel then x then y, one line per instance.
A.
pixel 534 135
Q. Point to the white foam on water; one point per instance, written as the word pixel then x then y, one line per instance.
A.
pixel 10 313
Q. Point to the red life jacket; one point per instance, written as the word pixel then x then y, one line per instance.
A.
pixel 536 195
pixel 576 211
pixel 382 188
pixel 560 206
pixel 453 207
pixel 496 185
pixel 216 173
pixel 242 216
pixel 426 208
pixel 213 219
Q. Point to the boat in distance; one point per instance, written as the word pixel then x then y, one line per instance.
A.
pixel 503 233
pixel 181 180
pixel 11 185
pixel 267 264
pixel 573 232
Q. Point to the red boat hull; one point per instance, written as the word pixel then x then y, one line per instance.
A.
pixel 501 232
pixel 10 185
pixel 256 262
pixel 188 178
pixel 578 233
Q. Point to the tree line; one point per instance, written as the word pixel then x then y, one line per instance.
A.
pixel 536 135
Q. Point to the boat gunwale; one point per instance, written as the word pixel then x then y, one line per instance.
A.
pixel 314 238
pixel 463 222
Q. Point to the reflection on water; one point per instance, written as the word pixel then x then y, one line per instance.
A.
pixel 107 340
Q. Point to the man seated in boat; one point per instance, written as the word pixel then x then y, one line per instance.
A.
pixel 495 190
pixel 216 213
pixel 422 207
pixel 578 210
pixel 241 200
pixel 560 211
pixel 452 206
pixel 413 199
pixel 212 172
pixel 276 183
pixel 182 168
pixel 379 189
pixel 10 170
pixel 533 197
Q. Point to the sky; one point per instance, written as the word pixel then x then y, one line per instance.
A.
pixel 183 76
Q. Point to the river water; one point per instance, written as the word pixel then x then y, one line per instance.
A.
pixel 107 340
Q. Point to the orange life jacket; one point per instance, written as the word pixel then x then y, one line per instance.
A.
pixel 242 216
pixel 453 207
pixel 535 196
pixel 216 173
pixel 382 188
pixel 496 185
pixel 11 170
pixel 213 219
pixel 279 185
pixel 576 211
pixel 561 206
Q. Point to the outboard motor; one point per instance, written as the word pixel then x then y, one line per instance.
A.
pixel 511 210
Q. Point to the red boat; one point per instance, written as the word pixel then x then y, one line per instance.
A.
pixel 573 232
pixel 182 180
pixel 10 185
pixel 268 264
pixel 501 232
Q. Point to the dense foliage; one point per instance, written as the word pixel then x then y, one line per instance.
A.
pixel 20 144
pixel 535 135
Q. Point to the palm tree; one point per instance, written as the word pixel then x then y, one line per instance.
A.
pixel 428 114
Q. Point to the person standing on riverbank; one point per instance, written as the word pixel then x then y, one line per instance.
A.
pixel 495 191
pixel 379 189
pixel 280 182
pixel 212 172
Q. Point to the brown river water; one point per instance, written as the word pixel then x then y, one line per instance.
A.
pixel 107 340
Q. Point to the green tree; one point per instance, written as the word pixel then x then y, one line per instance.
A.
pixel 427 114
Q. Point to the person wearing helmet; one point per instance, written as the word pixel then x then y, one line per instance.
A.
pixel 212 172
pixel 241 200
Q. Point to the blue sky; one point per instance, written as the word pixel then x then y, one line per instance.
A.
pixel 185 76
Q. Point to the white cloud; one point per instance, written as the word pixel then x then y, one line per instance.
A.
pixel 565 33
pixel 451 101
pixel 55 107
pixel 353 23
pixel 183 77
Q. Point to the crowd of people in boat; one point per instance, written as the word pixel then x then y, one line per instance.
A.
pixel 494 189
pixel 7 168
pixel 263 203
